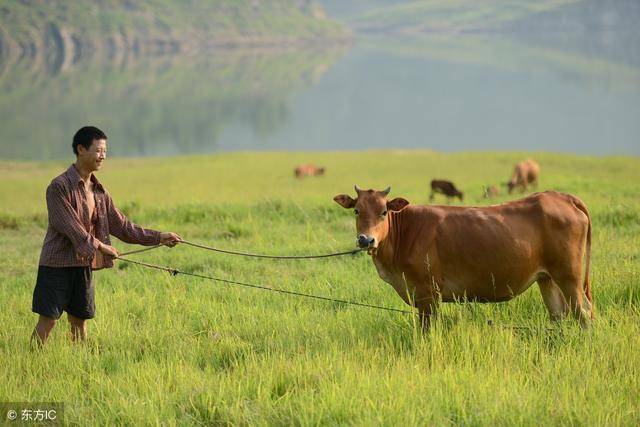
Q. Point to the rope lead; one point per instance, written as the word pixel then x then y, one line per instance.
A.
pixel 248 254
pixel 175 272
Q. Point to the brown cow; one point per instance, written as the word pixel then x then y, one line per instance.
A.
pixel 308 170
pixel 444 187
pixel 486 254
pixel 524 173
pixel 490 192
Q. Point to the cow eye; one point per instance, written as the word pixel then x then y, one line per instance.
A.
pixel 356 211
pixel 383 213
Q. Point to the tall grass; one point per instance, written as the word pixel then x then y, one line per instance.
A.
pixel 179 350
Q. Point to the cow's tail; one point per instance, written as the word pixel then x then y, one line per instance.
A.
pixel 587 285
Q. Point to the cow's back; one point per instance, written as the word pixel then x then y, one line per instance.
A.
pixel 519 175
pixel 443 186
pixel 303 170
pixel 532 170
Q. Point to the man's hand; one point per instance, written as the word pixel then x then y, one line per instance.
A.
pixel 170 239
pixel 108 250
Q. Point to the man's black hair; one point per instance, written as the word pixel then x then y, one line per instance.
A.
pixel 85 137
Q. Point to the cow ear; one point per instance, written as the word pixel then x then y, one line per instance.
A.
pixel 344 201
pixel 397 204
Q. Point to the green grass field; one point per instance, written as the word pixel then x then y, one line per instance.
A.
pixel 179 350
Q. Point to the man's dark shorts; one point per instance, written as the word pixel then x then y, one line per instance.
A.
pixel 61 289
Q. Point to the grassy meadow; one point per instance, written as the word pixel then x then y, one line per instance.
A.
pixel 183 351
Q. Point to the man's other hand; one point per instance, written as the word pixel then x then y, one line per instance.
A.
pixel 170 239
pixel 108 250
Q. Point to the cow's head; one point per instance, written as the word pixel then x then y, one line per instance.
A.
pixel 510 186
pixel 371 209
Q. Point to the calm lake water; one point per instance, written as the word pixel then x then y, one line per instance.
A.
pixel 447 93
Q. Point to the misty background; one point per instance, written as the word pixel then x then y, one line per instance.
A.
pixel 162 79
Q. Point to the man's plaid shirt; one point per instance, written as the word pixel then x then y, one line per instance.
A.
pixel 71 241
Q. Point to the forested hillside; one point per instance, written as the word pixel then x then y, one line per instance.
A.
pixel 451 16
pixel 159 25
pixel 455 16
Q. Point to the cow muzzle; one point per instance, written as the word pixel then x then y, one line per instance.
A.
pixel 365 242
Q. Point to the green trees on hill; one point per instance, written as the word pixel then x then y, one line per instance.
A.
pixel 159 25
pixel 451 16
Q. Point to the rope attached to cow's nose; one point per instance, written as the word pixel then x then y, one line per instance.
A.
pixel 248 254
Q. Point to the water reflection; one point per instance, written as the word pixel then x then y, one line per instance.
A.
pixel 512 90
pixel 472 92
pixel 510 53
pixel 150 105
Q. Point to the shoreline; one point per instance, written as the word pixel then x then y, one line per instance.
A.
pixel 7 163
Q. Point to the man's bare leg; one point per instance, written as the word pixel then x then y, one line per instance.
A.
pixel 42 330
pixel 78 328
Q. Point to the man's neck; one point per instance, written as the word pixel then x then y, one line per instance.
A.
pixel 84 172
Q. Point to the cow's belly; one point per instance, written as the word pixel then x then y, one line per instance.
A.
pixel 453 290
pixel 485 285
pixel 467 281
pixel 456 287
pixel 492 261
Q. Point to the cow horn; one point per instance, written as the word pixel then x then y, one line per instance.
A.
pixel 358 189
pixel 387 191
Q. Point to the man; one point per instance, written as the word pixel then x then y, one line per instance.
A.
pixel 81 218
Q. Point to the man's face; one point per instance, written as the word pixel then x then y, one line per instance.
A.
pixel 93 157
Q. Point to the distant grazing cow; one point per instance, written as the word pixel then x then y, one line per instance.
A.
pixel 524 174
pixel 490 192
pixel 487 254
pixel 308 170
pixel 444 187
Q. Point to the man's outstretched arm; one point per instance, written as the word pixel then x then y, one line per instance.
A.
pixel 129 232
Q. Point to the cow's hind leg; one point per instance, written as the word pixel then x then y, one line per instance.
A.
pixel 553 298
pixel 571 287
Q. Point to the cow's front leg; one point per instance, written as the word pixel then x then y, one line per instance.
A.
pixel 419 292
pixel 425 281
pixel 426 301
pixel 427 308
